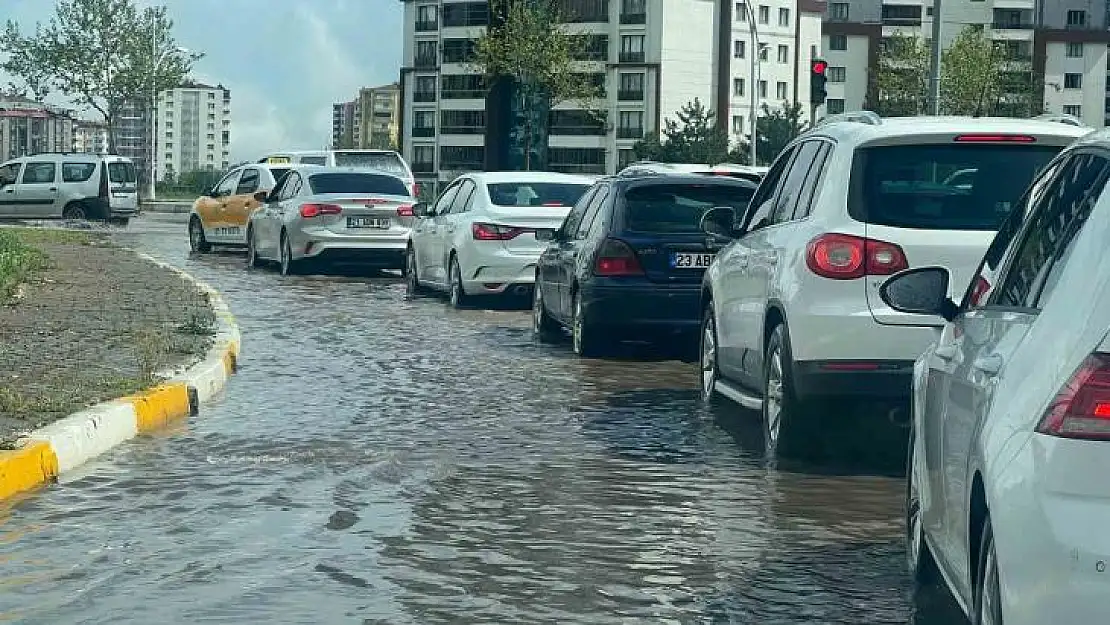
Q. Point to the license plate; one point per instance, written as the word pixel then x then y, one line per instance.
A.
pixel 227 232
pixel 684 260
pixel 381 223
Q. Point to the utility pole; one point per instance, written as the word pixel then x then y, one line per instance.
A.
pixel 934 67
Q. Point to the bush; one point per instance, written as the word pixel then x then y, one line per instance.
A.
pixel 17 261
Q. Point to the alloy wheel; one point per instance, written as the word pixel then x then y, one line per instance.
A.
pixel 773 398
pixel 989 608
pixel 456 294
pixel 708 358
pixel 576 329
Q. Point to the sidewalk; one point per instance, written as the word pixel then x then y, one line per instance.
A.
pixel 92 322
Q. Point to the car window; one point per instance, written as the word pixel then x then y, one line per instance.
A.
pixel 122 172
pixel 277 173
pixel 291 187
pixel 813 181
pixel 907 186
pixel 9 173
pixel 77 172
pixel 279 189
pixel 248 183
pixel 787 199
pixel 462 198
pixel 592 211
pixel 226 186
pixel 443 204
pixel 314 160
pixel 535 193
pixel 389 162
pixel 39 172
pixel 574 217
pixel 357 182
pixel 1048 233
pixel 761 201
pixel 678 207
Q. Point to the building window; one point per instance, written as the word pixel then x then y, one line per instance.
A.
pixel 459 50
pixel 625 157
pixel 424 89
pixel 1075 50
pixel 763 52
pixel 738 87
pixel 1073 81
pixel 737 124
pixel 466 14
pixel 784 17
pixel 764 14
pixel 586 11
pixel 630 125
pixel 1077 18
pixel 1073 109
pixel 739 49
pixel 837 74
pixel 597 49
pixel 741 12
pixel 632 49
pixel 462 87
pixel 784 54
pixel 462 157
pixel 763 88
pixel 423 124
pixel 631 88
pixel 838 11
pixel 576 160
pixel 427 18
pixel 834 106
pixel 781 90
pixel 423 158
pixel 838 42
pixel 426 54
pixel 633 12
pixel 462 122
pixel 577 123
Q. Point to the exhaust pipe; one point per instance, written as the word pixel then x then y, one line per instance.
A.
pixel 899 416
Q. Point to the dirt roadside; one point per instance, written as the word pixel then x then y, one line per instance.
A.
pixel 88 322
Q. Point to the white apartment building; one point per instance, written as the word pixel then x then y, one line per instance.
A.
pixel 90 137
pixel 1061 43
pixel 193 129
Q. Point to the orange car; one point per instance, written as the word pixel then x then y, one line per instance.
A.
pixel 219 217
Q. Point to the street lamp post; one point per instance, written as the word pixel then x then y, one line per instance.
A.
pixel 158 58
pixel 755 78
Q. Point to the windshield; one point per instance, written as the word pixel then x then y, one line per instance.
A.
pixel 943 187
pixel 122 172
pixel 677 208
pixel 356 183
pixel 278 172
pixel 388 162
pixel 535 193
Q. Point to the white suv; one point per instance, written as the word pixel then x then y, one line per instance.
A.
pixel 791 306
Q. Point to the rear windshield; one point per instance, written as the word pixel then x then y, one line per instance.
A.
pixel 382 161
pixel 357 183
pixel 535 193
pixel 121 171
pixel 943 187
pixel 678 208
pixel 314 160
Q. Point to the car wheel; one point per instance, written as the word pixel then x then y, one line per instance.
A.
pixel 197 241
pixel 707 381
pixel 988 592
pixel 784 426
pixel 545 329
pixel 456 295
pixel 288 265
pixel 76 210
pixel 919 560
pixel 584 335
pixel 412 278
pixel 253 260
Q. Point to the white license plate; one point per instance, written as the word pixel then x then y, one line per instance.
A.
pixel 381 223
pixel 233 231
pixel 684 260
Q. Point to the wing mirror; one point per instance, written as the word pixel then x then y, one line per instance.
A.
pixel 261 196
pixel 545 235
pixel 920 291
pixel 719 221
pixel 420 209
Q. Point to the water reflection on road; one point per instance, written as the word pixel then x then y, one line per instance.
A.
pixel 394 461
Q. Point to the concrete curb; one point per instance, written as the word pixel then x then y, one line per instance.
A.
pixel 68 443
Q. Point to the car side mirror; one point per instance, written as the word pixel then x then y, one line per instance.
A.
pixel 545 235
pixel 719 221
pixel 420 209
pixel 261 196
pixel 920 291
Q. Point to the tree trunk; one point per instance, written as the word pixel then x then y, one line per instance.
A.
pixel 110 121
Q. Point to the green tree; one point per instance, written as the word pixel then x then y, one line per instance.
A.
pixel 97 53
pixel 902 79
pixel 777 128
pixel 533 47
pixel 970 77
pixel 693 138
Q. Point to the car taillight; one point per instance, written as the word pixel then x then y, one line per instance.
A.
pixel 981 288
pixel 847 257
pixel 404 210
pixel 309 211
pixel 493 232
pixel 617 258
pixel 415 189
pixel 1082 407
pixel 995 139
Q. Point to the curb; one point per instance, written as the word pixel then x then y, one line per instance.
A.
pixel 68 443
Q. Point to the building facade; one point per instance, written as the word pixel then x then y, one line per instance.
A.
pixel 193 129
pixel 90 137
pixel 343 125
pixel 378 116
pixel 1061 45
pixel 28 127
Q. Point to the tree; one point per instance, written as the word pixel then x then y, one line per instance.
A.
pixel 693 138
pixel 776 129
pixel 970 78
pixel 97 53
pixel 534 49
pixel 902 78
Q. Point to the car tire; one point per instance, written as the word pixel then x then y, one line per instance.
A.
pixel 413 287
pixel 585 339
pixel 544 328
pixel 988 590
pixel 289 267
pixel 919 559
pixel 709 373
pixel 198 244
pixel 253 260
pixel 456 295
pixel 784 419
pixel 75 211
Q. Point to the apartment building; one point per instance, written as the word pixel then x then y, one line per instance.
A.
pixel 378 121
pixel 343 125
pixel 29 127
pixel 1060 45
pixel 193 129
pixel 90 137
pixel 649 57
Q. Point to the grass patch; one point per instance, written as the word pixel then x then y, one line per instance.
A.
pixel 18 260
pixel 55 236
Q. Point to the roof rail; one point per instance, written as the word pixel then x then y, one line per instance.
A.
pixel 1062 118
pixel 862 117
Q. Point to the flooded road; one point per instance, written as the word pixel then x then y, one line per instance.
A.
pixel 379 460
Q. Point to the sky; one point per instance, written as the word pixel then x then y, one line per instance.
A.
pixel 285 61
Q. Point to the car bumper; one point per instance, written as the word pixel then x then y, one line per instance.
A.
pixel 643 309
pixel 352 253
pixel 875 379
pixel 831 333
pixel 492 272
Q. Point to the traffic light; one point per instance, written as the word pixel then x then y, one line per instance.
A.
pixel 817 69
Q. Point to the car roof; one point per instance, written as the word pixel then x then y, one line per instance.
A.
pixel 865 127
pixel 327 169
pixel 653 178
pixel 495 177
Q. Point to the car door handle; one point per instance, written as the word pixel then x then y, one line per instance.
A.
pixel 946 352
pixel 54 188
pixel 9 190
pixel 989 365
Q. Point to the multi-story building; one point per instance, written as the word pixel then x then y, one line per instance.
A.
pixel 193 129
pixel 1060 46
pixel 377 121
pixel 90 137
pixel 131 135
pixel 343 124
pixel 29 127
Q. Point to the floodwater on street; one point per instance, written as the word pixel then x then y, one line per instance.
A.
pixel 380 460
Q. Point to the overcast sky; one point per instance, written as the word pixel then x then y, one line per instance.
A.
pixel 285 61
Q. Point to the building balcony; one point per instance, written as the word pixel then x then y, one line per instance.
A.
pixel 462 165
pixel 628 95
pixel 423 131
pixel 633 18
pixel 630 133
pixel 631 57
pixel 901 21
pixel 425 62
pixel 424 96
pixel 428 26
pixel 1011 26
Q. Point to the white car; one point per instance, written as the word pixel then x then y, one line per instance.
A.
pixel 1007 494
pixel 387 161
pixel 479 237
pixel 791 307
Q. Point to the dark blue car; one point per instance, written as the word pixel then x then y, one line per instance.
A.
pixel 627 263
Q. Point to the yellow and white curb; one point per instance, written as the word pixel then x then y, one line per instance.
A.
pixel 44 454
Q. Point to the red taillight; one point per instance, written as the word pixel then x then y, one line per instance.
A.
pixel 617 258
pixel 553 204
pixel 415 189
pixel 847 257
pixel 995 139
pixel 308 211
pixel 405 210
pixel 981 288
pixel 493 232
pixel 1082 408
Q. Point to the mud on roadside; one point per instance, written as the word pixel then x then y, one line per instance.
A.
pixel 91 323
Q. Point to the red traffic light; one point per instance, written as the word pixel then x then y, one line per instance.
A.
pixel 819 67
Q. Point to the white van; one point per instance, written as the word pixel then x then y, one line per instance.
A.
pixel 387 161
pixel 69 185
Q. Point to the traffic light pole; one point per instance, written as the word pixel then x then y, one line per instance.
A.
pixel 934 67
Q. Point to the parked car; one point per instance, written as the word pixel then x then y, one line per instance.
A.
pixel 641 168
pixel 387 161
pixel 220 215
pixel 480 236
pixel 791 309
pixel 628 261
pixel 1006 491
pixel 331 215
pixel 69 185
